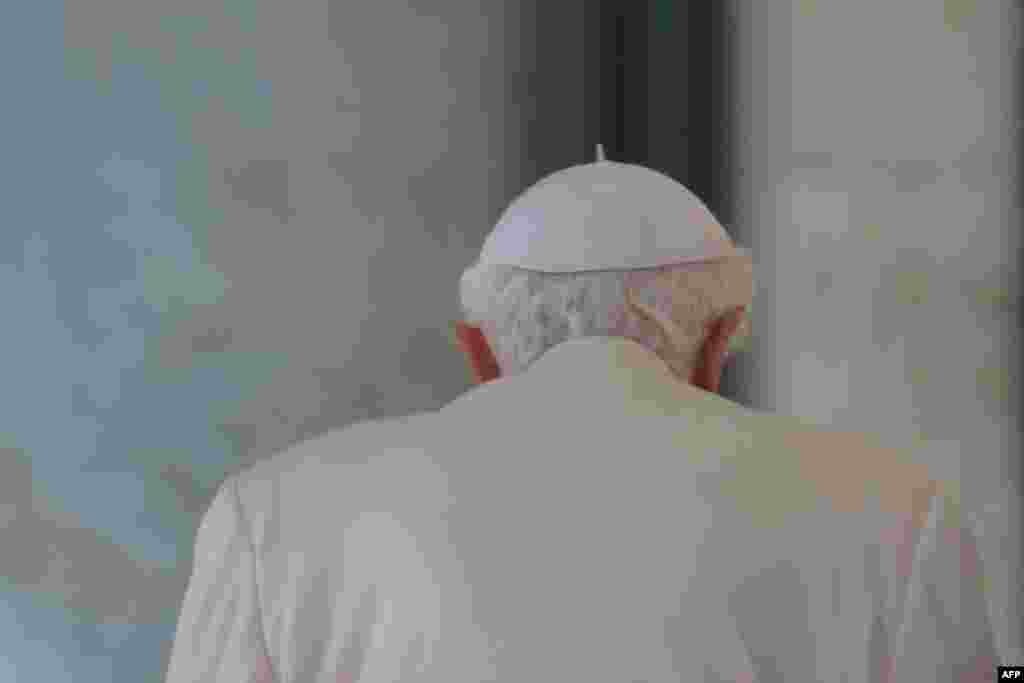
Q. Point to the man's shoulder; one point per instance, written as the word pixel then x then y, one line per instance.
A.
pixel 337 453
pixel 853 467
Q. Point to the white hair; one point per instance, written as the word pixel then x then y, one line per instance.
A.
pixel 524 313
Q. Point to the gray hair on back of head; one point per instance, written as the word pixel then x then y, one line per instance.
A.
pixel 668 309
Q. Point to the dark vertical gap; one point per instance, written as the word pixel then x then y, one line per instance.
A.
pixel 669 93
pixel 709 105
pixel 620 80
pixel 624 68
pixel 637 85
pixel 611 107
pixel 689 103
pixel 593 121
pixel 554 87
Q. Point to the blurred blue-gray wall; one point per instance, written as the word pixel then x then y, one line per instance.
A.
pixel 227 226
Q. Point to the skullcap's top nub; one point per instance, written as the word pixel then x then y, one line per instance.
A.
pixel 605 216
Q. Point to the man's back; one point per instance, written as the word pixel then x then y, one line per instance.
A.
pixel 590 520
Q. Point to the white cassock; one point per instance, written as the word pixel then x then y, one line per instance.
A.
pixel 591 520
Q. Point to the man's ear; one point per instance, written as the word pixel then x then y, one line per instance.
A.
pixel 711 361
pixel 734 318
pixel 474 344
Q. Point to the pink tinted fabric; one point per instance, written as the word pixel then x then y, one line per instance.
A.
pixel 263 672
pixel 902 538
pixel 639 279
pixel 983 670
pixel 885 670
pixel 698 215
pixel 618 323
pixel 968 551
